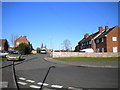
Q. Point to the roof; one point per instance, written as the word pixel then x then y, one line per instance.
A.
pixel 2 42
pixel 104 33
pixel 88 38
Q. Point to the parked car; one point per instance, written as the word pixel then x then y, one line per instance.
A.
pixel 13 55
pixel 43 51
pixel 3 53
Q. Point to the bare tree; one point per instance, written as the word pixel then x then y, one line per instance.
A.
pixel 67 45
pixel 13 38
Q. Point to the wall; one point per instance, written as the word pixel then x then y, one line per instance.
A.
pixel 78 54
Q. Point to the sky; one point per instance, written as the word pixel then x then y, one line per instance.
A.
pixel 51 23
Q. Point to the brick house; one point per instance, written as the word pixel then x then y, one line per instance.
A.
pixel 105 40
pixel 109 40
pixel 21 39
pixel 4 44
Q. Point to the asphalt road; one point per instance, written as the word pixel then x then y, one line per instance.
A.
pixel 7 75
pixel 32 70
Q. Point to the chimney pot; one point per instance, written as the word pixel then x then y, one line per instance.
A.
pixel 100 29
pixel 106 28
pixel 86 35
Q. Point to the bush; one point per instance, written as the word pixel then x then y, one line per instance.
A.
pixel 23 48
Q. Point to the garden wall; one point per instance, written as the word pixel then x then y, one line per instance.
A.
pixel 78 54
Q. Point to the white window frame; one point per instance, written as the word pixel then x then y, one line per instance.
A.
pixel 98 49
pixel 17 43
pixel 90 42
pixel 102 40
pixel 103 49
pixel 115 49
pixel 114 38
pixel 97 41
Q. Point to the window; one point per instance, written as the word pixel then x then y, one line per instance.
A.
pixel 17 43
pixel 102 49
pixel 97 41
pixel 114 38
pixel 102 40
pixel 0 48
pixel 98 50
pixel 90 42
pixel 115 49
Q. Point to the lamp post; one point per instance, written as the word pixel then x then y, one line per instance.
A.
pixel 46 76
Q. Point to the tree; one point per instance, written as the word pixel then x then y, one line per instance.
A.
pixel 42 45
pixel 66 45
pixel 23 48
pixel 13 38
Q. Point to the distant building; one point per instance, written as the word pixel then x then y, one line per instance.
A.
pixel 22 39
pixel 105 40
pixel 4 44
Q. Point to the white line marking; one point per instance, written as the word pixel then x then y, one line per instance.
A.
pixel 3 84
pixel 56 86
pixel 45 84
pixel 22 83
pixel 74 88
pixel 21 78
pixel 31 81
pixel 34 86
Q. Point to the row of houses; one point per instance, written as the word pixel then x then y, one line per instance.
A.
pixel 104 40
pixel 22 39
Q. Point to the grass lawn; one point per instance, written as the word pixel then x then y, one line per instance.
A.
pixel 88 58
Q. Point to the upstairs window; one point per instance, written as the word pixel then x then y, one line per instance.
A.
pixel 90 42
pixel 114 38
pixel 17 43
pixel 97 41
pixel 102 40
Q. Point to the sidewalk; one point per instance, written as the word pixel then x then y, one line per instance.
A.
pixel 97 64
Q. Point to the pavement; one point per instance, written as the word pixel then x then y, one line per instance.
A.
pixel 96 64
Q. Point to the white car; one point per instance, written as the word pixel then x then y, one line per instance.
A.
pixel 3 53
pixel 43 51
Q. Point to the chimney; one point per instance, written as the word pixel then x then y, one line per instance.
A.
pixel 106 28
pixel 86 35
pixel 100 29
pixel 24 36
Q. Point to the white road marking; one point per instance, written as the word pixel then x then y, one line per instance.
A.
pixel 31 81
pixel 21 78
pixel 73 88
pixel 56 86
pixel 22 83
pixel 3 84
pixel 45 84
pixel 34 86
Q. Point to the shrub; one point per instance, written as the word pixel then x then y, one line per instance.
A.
pixel 23 48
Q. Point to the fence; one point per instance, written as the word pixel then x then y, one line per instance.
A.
pixel 78 54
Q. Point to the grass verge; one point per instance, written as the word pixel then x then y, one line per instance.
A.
pixel 88 58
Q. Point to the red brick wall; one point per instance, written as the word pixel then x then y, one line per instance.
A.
pixel 21 40
pixel 118 39
pixel 110 43
pixel 102 45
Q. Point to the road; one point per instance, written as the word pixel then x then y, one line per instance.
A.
pixel 32 70
pixel 7 75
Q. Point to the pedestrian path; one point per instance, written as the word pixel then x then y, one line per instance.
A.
pixel 97 64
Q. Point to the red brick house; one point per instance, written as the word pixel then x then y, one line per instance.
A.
pixel 109 40
pixel 105 40
pixel 4 44
pixel 21 39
